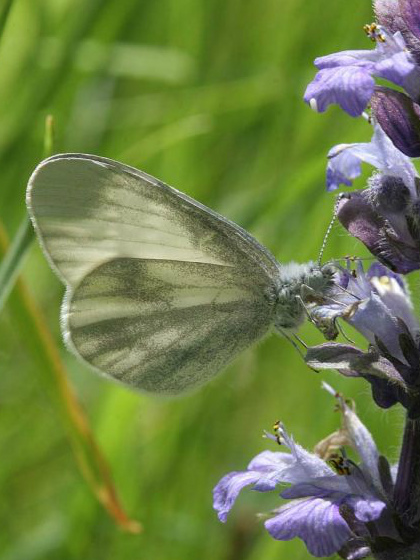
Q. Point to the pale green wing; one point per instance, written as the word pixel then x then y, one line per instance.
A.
pixel 198 272
pixel 165 326
pixel 88 210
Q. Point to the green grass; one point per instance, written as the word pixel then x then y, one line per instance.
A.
pixel 206 95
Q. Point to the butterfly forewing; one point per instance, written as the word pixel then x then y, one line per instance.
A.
pixel 162 291
pixel 88 210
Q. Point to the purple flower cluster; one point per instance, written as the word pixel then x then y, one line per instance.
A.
pixel 347 78
pixel 378 306
pixel 333 506
pixel 336 505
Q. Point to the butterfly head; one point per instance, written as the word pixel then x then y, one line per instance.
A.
pixel 301 284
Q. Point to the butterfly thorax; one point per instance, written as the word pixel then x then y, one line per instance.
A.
pixel 299 286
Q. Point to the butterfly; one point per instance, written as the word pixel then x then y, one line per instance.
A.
pixel 162 292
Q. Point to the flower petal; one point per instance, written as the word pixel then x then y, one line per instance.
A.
pixel 331 487
pixel 306 466
pixel 343 167
pixel 393 293
pixel 379 152
pixel 351 87
pixel 337 489
pixel 333 355
pixel 364 444
pixel 268 461
pixel 366 509
pixel 227 490
pixel 346 77
pixel 273 468
pixel 316 521
pixel 396 68
pixel 267 470
pixel 374 320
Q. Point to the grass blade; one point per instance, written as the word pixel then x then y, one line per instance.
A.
pixel 88 455
pixel 12 262
pixel 4 14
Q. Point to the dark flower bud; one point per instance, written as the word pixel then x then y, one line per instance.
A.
pixel 402 16
pixel 386 220
pixel 413 220
pixel 410 11
pixel 388 14
pixel 399 117
pixel 389 194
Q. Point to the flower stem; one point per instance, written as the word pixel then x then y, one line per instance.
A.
pixel 407 485
pixel 399 553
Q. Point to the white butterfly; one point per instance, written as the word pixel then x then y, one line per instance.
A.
pixel 162 292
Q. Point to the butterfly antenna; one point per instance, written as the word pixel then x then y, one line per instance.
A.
pixel 353 258
pixel 329 228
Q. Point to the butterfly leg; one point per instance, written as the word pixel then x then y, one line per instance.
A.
pixel 296 347
pixel 308 313
pixel 342 331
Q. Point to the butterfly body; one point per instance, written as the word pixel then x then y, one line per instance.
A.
pixel 162 292
pixel 297 281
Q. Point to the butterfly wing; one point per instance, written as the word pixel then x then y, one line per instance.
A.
pixel 164 326
pixel 162 291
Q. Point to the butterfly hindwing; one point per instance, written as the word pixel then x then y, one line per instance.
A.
pixel 164 326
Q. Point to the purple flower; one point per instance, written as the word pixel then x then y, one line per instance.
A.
pixel 377 305
pixel 386 215
pixel 344 161
pixel 329 507
pixel 347 78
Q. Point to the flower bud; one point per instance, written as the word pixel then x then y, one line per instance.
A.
pixel 399 117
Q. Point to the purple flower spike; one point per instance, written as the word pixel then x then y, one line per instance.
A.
pixel 399 117
pixel 347 78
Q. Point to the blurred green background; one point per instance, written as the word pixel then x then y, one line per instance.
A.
pixel 207 96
